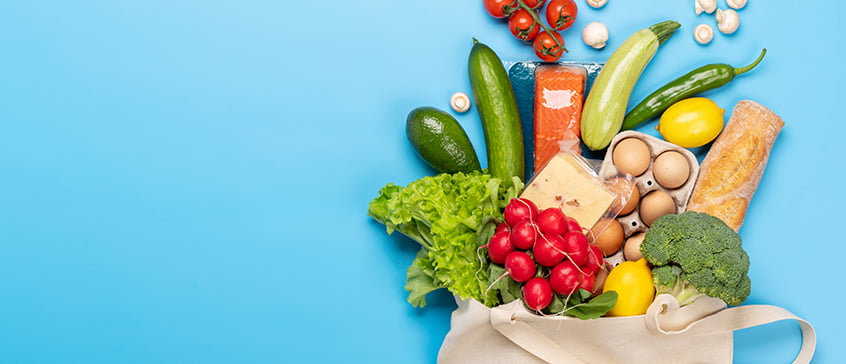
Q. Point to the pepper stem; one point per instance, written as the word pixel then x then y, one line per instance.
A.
pixel 738 71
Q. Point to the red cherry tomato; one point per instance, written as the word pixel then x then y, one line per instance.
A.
pixel 523 26
pixel 500 8
pixel 546 48
pixel 560 14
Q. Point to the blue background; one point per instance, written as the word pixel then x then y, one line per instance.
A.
pixel 187 181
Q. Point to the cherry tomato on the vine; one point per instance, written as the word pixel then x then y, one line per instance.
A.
pixel 560 14
pixel 500 8
pixel 534 4
pixel 523 25
pixel 546 48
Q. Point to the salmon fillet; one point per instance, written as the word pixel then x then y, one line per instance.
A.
pixel 559 95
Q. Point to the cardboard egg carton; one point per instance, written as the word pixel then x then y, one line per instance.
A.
pixel 646 182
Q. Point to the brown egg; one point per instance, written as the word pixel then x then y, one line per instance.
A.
pixel 607 235
pixel 631 156
pixel 656 204
pixel 671 169
pixel 632 248
pixel 627 193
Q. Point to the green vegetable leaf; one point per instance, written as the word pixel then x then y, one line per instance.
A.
pixel 558 304
pixel 508 288
pixel 420 281
pixel 584 294
pixel 445 214
pixel 594 308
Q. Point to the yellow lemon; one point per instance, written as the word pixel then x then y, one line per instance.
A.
pixel 692 122
pixel 632 281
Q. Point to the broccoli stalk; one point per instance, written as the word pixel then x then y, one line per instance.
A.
pixel 667 280
pixel 694 254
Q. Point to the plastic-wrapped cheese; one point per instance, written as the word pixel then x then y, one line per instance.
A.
pixel 568 183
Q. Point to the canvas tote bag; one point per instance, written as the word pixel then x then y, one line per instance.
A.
pixel 697 333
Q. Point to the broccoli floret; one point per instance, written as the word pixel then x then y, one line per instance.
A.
pixel 695 253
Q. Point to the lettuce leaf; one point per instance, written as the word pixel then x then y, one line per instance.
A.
pixel 446 214
pixel 421 280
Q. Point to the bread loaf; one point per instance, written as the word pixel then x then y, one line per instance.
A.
pixel 731 171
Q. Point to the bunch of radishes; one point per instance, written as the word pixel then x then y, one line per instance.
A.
pixel 545 251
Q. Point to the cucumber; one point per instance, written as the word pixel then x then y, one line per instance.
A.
pixel 497 106
pixel 605 106
pixel 441 141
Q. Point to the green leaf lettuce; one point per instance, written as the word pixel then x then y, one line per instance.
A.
pixel 446 214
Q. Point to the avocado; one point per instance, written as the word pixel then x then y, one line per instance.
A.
pixel 441 141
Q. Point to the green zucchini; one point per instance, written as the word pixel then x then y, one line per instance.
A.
pixel 605 106
pixel 441 141
pixel 497 106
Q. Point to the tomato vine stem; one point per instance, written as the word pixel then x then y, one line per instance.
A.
pixel 546 29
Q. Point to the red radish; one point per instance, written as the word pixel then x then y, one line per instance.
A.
pixel 595 260
pixel 549 250
pixel 589 268
pixel 520 209
pixel 519 266
pixel 537 293
pixel 565 278
pixel 576 246
pixel 587 282
pixel 499 246
pixel 502 227
pixel 573 225
pixel 552 221
pixel 524 234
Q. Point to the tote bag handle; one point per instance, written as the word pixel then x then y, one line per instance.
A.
pixel 507 323
pixel 527 337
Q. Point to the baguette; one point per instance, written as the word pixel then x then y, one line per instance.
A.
pixel 732 169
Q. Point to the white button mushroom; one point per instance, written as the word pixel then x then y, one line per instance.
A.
pixel 595 35
pixel 460 102
pixel 727 21
pixel 703 33
pixel 707 6
pixel 596 3
pixel 736 4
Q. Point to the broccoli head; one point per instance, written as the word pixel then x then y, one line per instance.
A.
pixel 695 253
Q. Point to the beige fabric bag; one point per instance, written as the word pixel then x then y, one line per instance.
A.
pixel 697 333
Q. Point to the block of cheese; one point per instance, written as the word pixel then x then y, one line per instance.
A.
pixel 567 182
